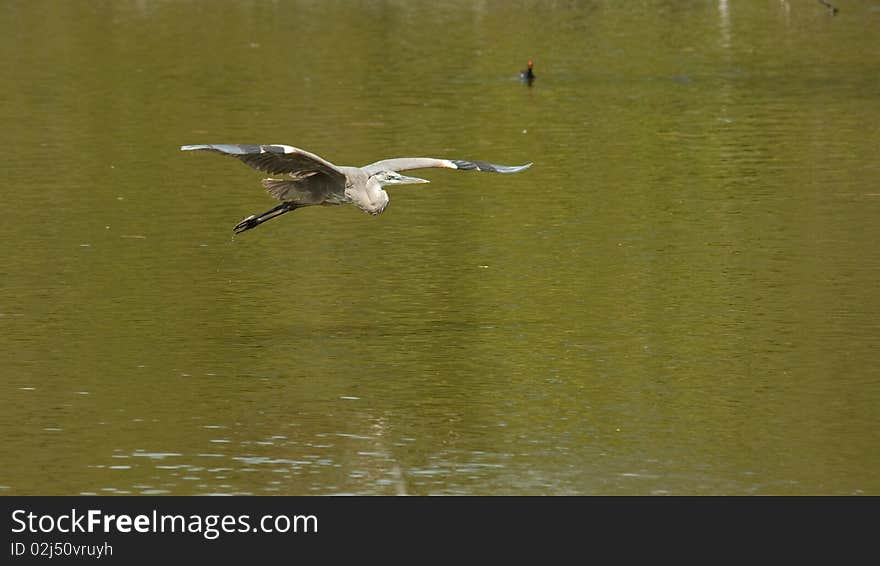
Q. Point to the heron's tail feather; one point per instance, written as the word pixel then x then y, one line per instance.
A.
pixel 256 219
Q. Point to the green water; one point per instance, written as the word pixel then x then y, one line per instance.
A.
pixel 680 297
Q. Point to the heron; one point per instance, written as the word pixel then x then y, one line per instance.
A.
pixel 312 180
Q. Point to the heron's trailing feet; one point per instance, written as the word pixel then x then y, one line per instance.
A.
pixel 314 180
pixel 255 220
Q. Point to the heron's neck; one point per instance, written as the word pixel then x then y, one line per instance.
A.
pixel 372 199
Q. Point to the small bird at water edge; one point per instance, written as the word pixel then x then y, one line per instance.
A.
pixel 528 75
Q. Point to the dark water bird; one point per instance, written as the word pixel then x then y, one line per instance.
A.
pixel 528 75
pixel 312 180
pixel 832 9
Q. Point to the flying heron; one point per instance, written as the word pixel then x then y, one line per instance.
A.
pixel 313 180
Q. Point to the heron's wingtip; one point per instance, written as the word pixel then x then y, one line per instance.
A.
pixel 513 169
pixel 486 166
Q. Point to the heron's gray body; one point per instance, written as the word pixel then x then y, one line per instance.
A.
pixel 312 180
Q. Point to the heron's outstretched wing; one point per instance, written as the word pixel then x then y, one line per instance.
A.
pixel 405 163
pixel 274 159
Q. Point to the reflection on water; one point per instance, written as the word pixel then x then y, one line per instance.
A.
pixel 680 296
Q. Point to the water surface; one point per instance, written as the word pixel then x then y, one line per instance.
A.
pixel 680 296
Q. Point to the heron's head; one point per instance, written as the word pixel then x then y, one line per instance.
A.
pixel 386 178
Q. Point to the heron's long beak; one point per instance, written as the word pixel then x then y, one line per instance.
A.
pixel 404 180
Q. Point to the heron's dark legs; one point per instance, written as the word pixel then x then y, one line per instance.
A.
pixel 255 220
